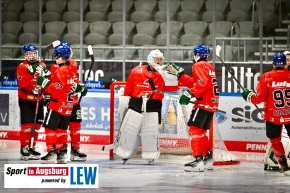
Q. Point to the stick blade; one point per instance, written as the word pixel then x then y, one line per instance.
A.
pixel 90 50
pixel 218 50
pixel 151 84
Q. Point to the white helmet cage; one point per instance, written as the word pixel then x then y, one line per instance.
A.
pixel 31 56
pixel 154 54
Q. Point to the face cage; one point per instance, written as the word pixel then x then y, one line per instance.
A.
pixel 158 61
pixel 31 56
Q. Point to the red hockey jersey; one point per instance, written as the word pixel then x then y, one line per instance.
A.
pixel 203 84
pixel 27 81
pixel 74 68
pixel 61 90
pixel 138 82
pixel 274 90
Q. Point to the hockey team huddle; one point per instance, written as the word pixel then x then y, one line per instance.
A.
pixel 58 89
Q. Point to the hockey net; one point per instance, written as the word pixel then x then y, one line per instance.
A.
pixel 173 135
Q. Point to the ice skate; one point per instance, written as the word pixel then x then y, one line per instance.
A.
pixel 24 153
pixel 34 155
pixel 76 155
pixel 284 166
pixel 62 155
pixel 150 161
pixel 208 161
pixel 50 157
pixel 195 166
pixel 270 161
pixel 125 160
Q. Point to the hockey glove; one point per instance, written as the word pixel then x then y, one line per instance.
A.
pixel 42 81
pixel 247 95
pixel 79 87
pixel 32 68
pixel 185 97
pixel 42 71
pixel 84 92
pixel 175 70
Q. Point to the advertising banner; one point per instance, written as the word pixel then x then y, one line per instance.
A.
pixel 237 134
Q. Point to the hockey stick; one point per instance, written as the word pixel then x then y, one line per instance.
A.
pixel 152 85
pixel 35 117
pixel 50 46
pixel 218 49
pixel 113 145
pixel 91 53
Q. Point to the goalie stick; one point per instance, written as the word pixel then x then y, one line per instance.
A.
pixel 217 50
pixel 152 86
pixel 91 53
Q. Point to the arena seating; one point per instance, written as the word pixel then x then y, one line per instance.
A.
pixel 145 21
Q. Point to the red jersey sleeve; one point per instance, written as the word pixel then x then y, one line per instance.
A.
pixel 26 82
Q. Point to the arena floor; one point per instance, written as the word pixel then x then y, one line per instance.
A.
pixel 163 175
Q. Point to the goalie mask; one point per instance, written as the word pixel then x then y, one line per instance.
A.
pixel 155 59
pixel 30 53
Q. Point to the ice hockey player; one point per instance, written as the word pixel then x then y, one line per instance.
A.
pixel 27 73
pixel 270 161
pixel 61 86
pixel 75 118
pixel 140 123
pixel 272 89
pixel 203 90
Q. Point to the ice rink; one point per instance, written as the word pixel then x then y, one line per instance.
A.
pixel 163 175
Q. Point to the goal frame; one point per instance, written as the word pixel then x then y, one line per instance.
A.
pixel 211 134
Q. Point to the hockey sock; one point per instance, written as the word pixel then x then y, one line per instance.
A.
pixel 197 140
pixel 50 139
pixel 205 145
pixel 61 138
pixel 75 128
pixel 36 133
pixel 25 133
pixel 277 147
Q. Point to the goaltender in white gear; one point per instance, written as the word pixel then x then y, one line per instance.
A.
pixel 141 121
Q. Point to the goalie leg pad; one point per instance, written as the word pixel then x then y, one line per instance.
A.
pixel 149 136
pixel 128 139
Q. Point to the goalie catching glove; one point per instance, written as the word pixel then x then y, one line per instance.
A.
pixel 175 70
pixel 186 97
pixel 247 95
